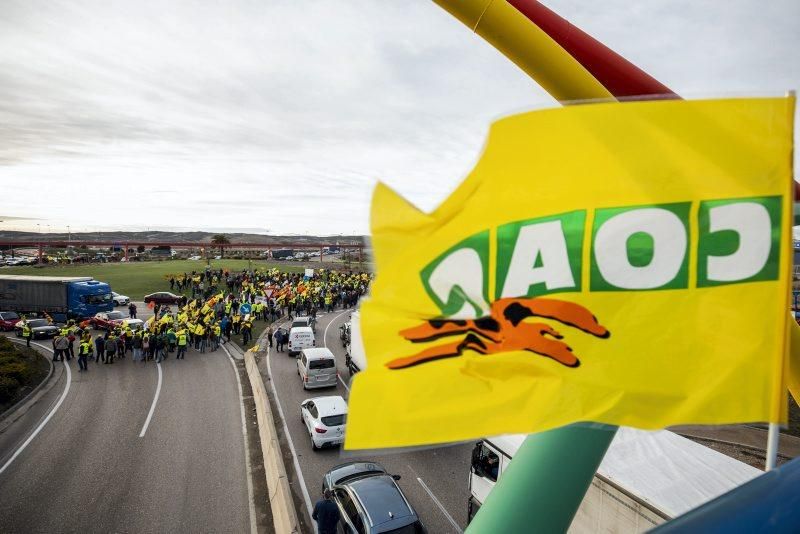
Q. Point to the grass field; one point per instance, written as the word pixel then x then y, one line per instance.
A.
pixel 137 279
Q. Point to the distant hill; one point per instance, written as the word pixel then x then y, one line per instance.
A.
pixel 176 237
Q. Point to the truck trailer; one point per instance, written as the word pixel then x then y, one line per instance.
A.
pixel 355 357
pixel 78 297
pixel 645 479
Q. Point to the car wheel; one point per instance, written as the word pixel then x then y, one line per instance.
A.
pixel 313 445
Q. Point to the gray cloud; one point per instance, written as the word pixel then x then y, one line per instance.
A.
pixel 286 113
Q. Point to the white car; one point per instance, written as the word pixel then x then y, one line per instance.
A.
pixel 194 258
pixel 133 324
pixel 120 300
pixel 325 419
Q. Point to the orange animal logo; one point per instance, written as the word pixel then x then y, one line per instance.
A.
pixel 505 329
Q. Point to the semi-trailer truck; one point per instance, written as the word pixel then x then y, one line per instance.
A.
pixel 78 297
pixel 645 479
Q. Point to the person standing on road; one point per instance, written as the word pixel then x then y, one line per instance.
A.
pixel 326 514
pixel 60 344
pixel 111 348
pixel 246 331
pixel 183 340
pixel 216 336
pixel 100 349
pixel 132 310
pixel 161 344
pixel 84 350
pixel 269 336
pixel 136 345
pixel 27 333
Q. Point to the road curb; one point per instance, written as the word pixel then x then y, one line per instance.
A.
pixel 24 404
pixel 284 515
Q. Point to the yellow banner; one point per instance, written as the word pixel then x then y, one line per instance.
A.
pixel 624 263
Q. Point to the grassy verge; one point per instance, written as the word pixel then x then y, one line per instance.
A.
pixel 21 370
pixel 137 279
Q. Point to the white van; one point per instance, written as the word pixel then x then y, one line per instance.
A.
pixel 317 368
pixel 300 337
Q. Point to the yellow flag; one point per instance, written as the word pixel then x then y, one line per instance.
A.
pixel 623 263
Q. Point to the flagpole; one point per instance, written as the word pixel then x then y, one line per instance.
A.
pixel 544 485
pixel 774 433
pixel 772 446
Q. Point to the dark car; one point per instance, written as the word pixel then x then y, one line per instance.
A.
pixel 8 320
pixel 164 297
pixel 39 328
pixel 370 501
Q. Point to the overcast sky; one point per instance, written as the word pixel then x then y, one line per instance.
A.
pixel 280 116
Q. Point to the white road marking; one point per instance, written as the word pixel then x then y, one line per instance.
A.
pixel 253 527
pixel 438 503
pixel 46 419
pixel 325 335
pixel 342 381
pixel 153 406
pixel 297 470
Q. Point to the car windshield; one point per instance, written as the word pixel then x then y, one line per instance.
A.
pixel 9 316
pixel 98 299
pixel 113 316
pixel 321 364
pixel 35 323
pixel 334 420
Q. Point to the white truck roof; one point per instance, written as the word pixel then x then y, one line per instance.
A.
pixel 667 471
pixel 29 278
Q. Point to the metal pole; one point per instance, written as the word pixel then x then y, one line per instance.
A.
pixel 544 485
pixel 773 436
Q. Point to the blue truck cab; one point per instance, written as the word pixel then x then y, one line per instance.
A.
pixel 86 298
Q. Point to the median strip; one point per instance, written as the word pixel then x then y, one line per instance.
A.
pixel 284 514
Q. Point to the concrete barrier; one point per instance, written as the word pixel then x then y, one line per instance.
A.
pixel 284 515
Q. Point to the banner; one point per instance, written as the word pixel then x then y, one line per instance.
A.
pixel 626 264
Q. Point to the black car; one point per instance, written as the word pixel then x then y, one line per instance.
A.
pixel 165 297
pixel 370 501
pixel 39 328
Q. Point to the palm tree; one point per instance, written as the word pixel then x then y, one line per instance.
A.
pixel 221 239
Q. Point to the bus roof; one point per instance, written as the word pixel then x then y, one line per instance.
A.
pixel 28 278
pixel 668 472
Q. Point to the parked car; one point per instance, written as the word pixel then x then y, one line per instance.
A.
pixel 369 499
pixel 133 324
pixel 193 258
pixel 164 297
pixel 39 328
pixel 107 321
pixel 325 419
pixel 120 300
pixel 8 320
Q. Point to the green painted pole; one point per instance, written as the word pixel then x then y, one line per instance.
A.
pixel 545 482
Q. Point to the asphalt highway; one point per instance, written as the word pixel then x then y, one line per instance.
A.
pixel 120 449
pixel 434 480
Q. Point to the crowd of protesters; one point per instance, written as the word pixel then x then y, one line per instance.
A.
pixel 222 304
